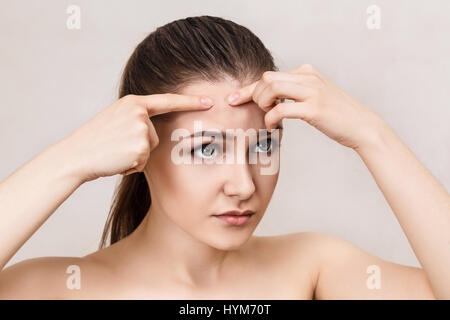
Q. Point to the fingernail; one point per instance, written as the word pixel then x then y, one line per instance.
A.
pixel 233 97
pixel 207 101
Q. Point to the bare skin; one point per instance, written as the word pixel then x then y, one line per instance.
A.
pixel 293 273
pixel 246 275
pixel 188 254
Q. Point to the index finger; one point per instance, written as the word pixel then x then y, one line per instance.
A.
pixel 169 102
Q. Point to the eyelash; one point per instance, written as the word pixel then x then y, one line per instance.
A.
pixel 272 144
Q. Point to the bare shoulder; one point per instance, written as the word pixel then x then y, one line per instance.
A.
pixel 343 270
pixel 317 247
pixel 310 249
pixel 300 254
pixel 298 248
pixel 44 278
pixel 305 243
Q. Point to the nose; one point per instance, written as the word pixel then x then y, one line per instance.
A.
pixel 239 181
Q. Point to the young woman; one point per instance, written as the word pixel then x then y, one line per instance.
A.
pixel 166 240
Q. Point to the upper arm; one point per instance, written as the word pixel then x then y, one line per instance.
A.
pixel 37 278
pixel 348 272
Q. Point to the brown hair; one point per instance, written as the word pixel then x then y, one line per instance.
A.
pixel 203 48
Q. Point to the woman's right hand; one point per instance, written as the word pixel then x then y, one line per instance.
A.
pixel 119 139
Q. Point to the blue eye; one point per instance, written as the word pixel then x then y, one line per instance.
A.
pixel 210 150
pixel 207 149
pixel 266 145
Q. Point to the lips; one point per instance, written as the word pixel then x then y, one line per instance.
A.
pixel 234 217
pixel 236 213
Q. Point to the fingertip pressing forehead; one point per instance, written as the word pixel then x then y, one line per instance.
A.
pixel 220 116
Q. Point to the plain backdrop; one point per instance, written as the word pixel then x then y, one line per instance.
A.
pixel 52 80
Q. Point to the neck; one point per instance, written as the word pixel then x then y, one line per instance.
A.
pixel 188 260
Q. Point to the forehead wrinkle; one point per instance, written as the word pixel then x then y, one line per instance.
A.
pixel 221 122
pixel 221 115
pixel 218 91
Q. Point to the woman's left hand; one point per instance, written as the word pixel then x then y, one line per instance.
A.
pixel 317 101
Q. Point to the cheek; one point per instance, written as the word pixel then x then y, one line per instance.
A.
pixel 191 185
pixel 190 198
pixel 265 185
pixel 184 190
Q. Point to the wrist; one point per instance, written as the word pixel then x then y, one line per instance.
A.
pixel 67 164
pixel 377 139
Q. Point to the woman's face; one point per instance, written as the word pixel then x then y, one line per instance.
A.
pixel 191 193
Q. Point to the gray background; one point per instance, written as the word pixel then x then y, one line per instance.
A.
pixel 52 80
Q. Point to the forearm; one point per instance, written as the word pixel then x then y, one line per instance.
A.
pixel 31 194
pixel 420 203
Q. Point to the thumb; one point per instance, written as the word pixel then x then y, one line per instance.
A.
pixel 129 172
pixel 242 95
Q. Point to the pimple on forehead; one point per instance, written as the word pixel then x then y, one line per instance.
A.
pixel 219 91
pixel 245 115
pixel 225 115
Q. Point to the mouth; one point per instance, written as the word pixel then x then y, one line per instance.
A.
pixel 235 218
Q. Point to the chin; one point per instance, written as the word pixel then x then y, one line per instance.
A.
pixel 229 243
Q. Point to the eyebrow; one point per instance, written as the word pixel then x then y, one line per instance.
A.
pixel 223 133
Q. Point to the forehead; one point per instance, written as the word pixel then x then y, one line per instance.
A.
pixel 221 115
